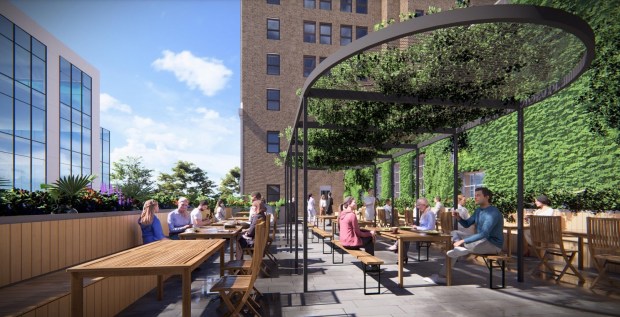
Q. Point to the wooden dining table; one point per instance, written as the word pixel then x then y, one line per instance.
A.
pixel 164 257
pixel 404 235
pixel 214 232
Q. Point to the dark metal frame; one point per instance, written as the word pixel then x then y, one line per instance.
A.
pixel 475 15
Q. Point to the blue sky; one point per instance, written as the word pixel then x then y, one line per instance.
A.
pixel 170 73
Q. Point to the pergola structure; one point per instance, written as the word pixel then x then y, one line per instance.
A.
pixel 473 65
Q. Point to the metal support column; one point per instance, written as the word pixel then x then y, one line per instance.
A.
pixel 305 162
pixel 417 183
pixel 295 211
pixel 392 190
pixel 520 151
pixel 455 154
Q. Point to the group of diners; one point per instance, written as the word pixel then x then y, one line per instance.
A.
pixel 180 219
pixel 478 233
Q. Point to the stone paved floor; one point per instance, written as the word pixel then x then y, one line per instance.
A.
pixel 337 290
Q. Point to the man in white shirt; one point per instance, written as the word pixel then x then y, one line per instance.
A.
pixel 369 202
pixel 196 214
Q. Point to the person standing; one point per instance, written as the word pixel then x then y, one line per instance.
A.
pixel 388 211
pixel 322 205
pixel 179 219
pixel 369 202
pixel 330 206
pixel 311 210
pixel 149 223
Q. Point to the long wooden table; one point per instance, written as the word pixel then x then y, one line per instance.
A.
pixel 214 232
pixel 165 257
pixel 409 236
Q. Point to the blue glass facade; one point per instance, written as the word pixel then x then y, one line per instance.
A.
pixel 75 120
pixel 23 107
pixel 105 158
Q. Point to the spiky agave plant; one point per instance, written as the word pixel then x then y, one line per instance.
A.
pixel 67 189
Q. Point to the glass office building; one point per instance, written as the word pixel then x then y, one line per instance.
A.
pixel 49 107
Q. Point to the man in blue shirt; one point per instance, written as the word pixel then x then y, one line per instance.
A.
pixel 489 237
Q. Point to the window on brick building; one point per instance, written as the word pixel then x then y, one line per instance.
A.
pixel 273 142
pixel 396 180
pixel 325 30
pixel 346 5
pixel 273 99
pixel 361 6
pixel 309 64
pixel 273 29
pixel 471 181
pixel 346 34
pixel 419 13
pixel 273 193
pixel 325 4
pixel 309 4
pixel 360 31
pixel 309 31
pixel 273 64
pixel 273 1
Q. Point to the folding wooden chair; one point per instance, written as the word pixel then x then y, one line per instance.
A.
pixel 241 286
pixel 547 242
pixel 250 250
pixel 408 217
pixel 446 222
pixel 270 240
pixel 604 244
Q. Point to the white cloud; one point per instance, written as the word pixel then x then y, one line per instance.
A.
pixel 199 135
pixel 108 103
pixel 207 74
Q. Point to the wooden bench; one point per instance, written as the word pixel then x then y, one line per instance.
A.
pixel 364 257
pixel 322 235
pixel 495 261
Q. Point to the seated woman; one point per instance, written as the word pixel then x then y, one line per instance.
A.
pixel 351 236
pixel 246 240
pixel 220 212
pixel 543 204
pixel 196 214
pixel 149 223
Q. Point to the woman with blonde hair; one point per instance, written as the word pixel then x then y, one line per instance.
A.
pixel 149 223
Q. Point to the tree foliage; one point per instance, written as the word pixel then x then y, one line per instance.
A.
pixel 186 179
pixel 132 178
pixel 230 183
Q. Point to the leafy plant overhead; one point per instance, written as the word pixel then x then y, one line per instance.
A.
pixel 451 72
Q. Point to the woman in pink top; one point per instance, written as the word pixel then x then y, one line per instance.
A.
pixel 350 234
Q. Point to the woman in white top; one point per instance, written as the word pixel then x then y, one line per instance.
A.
pixel 369 202
pixel 220 212
pixel 462 232
pixel 542 202
pixel 311 210
pixel 322 205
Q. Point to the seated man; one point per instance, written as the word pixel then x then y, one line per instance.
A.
pixel 196 214
pixel 351 236
pixel 490 225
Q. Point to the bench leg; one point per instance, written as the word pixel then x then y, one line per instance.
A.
pixel 324 247
pixel 378 281
pixel 334 257
pixel 501 264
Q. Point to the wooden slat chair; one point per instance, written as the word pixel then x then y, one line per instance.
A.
pixel 381 218
pixel 242 285
pixel 250 250
pixel 547 241
pixel 270 240
pixel 604 244
pixel 408 217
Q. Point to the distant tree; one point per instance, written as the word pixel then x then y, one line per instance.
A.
pixel 132 178
pixel 187 180
pixel 230 183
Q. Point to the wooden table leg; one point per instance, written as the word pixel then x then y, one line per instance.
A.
pixel 77 295
pixel 448 263
pixel 580 252
pixel 400 262
pixel 186 277
pixel 222 259
pixel 508 243
pixel 232 246
pixel 160 287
